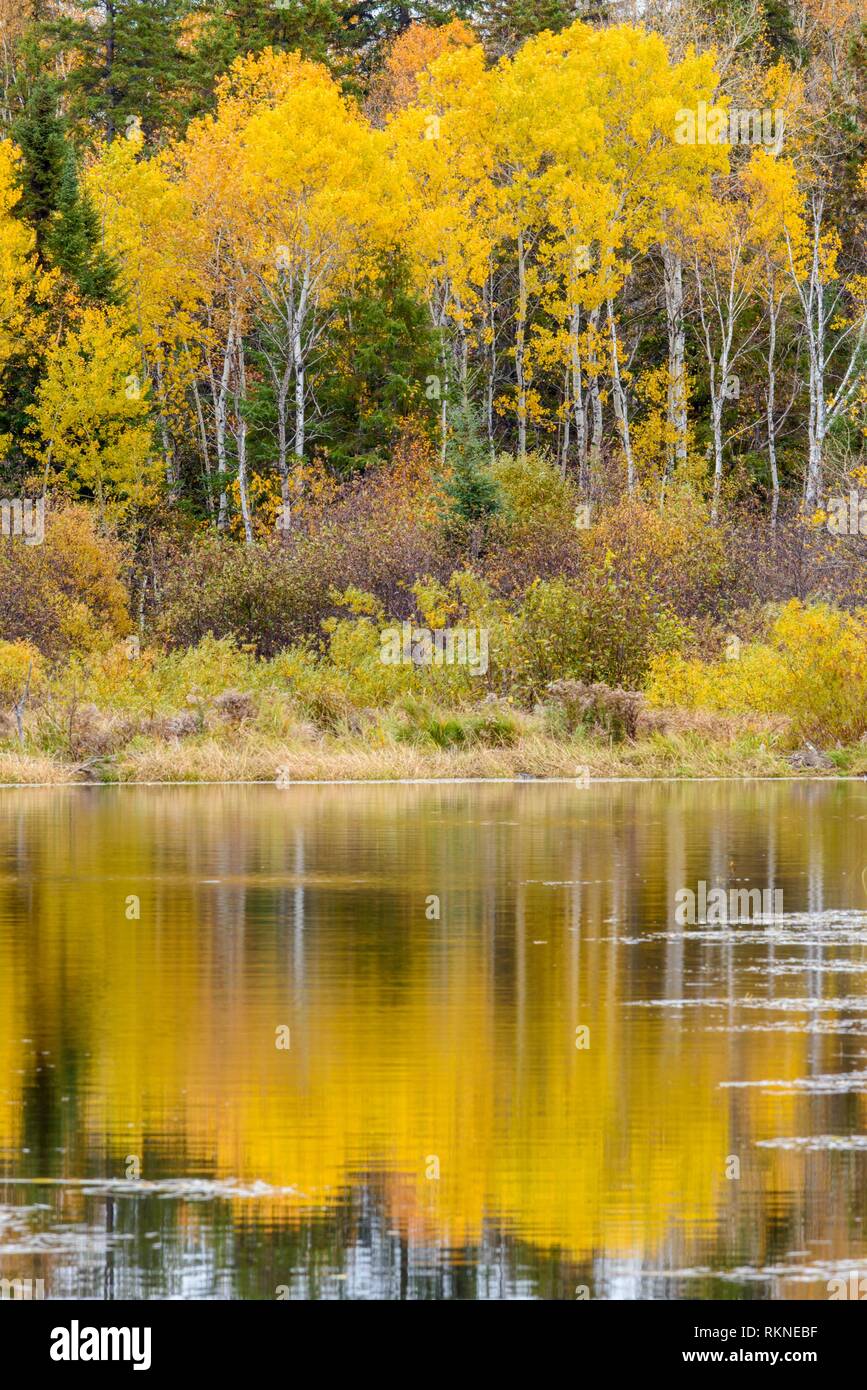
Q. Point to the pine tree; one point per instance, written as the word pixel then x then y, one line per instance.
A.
pixel 505 24
pixel 780 29
pixel 40 135
pixel 380 352
pixel 127 64
pixel 72 243
pixel 471 489
pixel 60 213
pixel 369 26
pixel 236 27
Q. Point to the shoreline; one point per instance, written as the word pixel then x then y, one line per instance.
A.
pixel 807 775
pixel 440 782
pixel 251 758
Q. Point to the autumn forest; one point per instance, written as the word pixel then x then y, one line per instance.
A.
pixel 546 322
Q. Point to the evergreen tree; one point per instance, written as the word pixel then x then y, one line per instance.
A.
pixel 40 134
pixel 780 29
pixel 380 353
pixel 127 64
pixel 73 242
pixel 505 24
pixel 60 213
pixel 235 27
pixel 471 489
pixel 369 26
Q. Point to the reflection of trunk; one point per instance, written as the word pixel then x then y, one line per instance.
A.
pixel 520 339
pixel 676 415
pixel 621 411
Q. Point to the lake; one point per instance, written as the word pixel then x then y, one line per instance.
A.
pixel 433 1041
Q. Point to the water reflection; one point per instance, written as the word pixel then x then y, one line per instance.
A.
pixel 432 1130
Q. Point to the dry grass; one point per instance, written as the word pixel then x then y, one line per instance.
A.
pixel 210 760
pixel 251 759
pixel 676 743
pixel 20 769
pixel 719 728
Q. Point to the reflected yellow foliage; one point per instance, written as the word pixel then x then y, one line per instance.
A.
pixel 414 1040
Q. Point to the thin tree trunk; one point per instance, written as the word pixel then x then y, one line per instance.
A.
pixel 241 440
pixel 578 397
pixel 621 410
pixel 299 366
pixel 492 358
pixel 221 395
pixel 567 417
pixel 168 452
pixel 595 397
pixel 520 341
pixel 770 400
pixel 282 383
pixel 676 413
pixel 203 438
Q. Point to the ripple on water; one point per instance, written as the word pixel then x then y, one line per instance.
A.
pixel 816 1143
pixel 843 1083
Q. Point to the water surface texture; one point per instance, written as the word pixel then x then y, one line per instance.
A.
pixel 242 1057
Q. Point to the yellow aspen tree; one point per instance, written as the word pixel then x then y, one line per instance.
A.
pixel 772 186
pixel 150 234
pixel 288 186
pixel 21 281
pixel 441 147
pixel 95 433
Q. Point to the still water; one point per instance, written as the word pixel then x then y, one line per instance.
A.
pixel 435 1041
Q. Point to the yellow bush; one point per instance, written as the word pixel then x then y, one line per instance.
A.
pixel 149 681
pixel 68 594
pixel 813 669
pixel 16 659
pixel 534 492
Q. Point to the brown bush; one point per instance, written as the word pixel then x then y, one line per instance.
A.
pixel 93 733
pixel 67 594
pixel 235 706
pixel 600 708
pixel 182 725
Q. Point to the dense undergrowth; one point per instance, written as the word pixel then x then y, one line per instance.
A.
pixel 642 641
